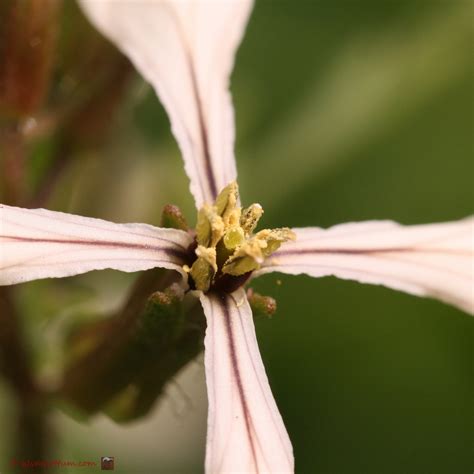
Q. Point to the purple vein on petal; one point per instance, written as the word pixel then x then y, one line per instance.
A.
pixel 98 243
pixel 96 226
pixel 371 251
pixel 203 129
pixel 237 376
pixel 262 388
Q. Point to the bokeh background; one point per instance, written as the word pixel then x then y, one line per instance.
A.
pixel 346 110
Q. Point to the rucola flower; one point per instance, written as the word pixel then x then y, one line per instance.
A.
pixel 185 49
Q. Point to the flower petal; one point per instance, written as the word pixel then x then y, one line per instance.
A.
pixel 434 260
pixel 185 49
pixel 36 243
pixel 245 430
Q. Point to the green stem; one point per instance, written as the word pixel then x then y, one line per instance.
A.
pixel 32 430
pixel 131 356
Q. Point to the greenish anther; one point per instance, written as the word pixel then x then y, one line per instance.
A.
pixel 226 243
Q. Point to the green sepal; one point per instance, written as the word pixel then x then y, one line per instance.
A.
pixel 173 218
pixel 261 305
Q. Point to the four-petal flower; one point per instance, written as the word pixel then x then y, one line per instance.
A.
pixel 185 49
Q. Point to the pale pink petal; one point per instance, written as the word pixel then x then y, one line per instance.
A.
pixel 185 49
pixel 435 260
pixel 245 431
pixel 36 243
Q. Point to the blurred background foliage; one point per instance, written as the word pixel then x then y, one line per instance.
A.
pixel 346 110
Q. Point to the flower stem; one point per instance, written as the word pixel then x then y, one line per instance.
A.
pixel 32 429
pixel 132 355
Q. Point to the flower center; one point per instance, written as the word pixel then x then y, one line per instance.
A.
pixel 227 248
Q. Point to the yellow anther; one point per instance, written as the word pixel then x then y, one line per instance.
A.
pixel 209 227
pixel 207 254
pixel 226 243
pixel 227 200
pixel 250 217
pixel 274 238
pixel 204 268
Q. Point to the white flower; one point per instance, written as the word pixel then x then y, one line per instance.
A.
pixel 185 49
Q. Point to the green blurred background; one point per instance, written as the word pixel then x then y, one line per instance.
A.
pixel 346 110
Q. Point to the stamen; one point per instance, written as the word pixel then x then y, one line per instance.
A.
pixel 250 217
pixel 226 244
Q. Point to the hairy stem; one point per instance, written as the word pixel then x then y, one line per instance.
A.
pixel 132 355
